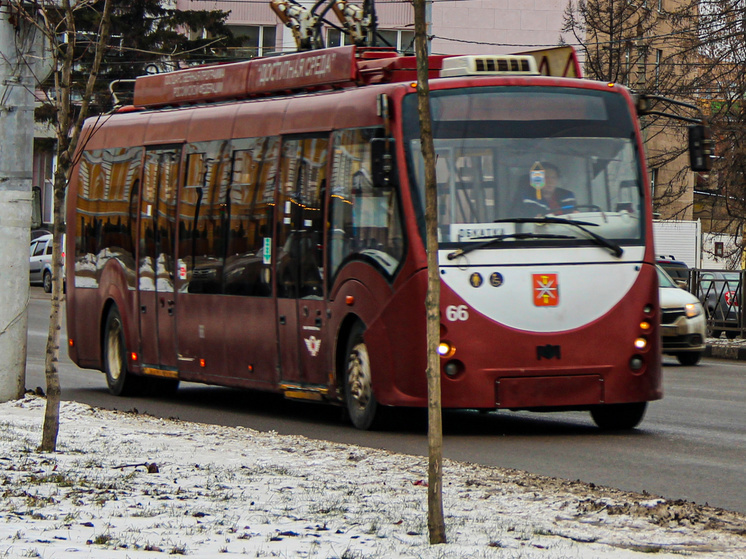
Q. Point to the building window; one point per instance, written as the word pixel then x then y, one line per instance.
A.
pixel 402 40
pixel 259 40
pixel 641 62
pixel 658 58
pixel 719 249
pixel 653 181
pixel 335 38
pixel 627 64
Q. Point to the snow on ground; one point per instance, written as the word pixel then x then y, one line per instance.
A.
pixel 129 486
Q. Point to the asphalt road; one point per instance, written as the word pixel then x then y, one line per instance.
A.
pixel 691 445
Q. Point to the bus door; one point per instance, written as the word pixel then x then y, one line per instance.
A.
pixel 157 304
pixel 301 307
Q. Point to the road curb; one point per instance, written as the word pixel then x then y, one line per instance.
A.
pixel 726 352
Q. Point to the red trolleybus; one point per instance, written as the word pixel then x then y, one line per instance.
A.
pixel 260 225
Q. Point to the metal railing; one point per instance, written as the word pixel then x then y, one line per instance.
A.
pixel 721 293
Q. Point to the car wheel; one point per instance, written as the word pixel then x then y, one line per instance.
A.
pixel 120 381
pixel 359 398
pixel 47 282
pixel 616 417
pixel 689 358
pixel 731 334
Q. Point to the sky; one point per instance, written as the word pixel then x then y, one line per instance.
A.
pixel 123 485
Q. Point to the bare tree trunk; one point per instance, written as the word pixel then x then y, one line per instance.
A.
pixel 435 520
pixel 68 127
pixel 51 425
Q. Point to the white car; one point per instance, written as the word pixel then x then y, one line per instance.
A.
pixel 40 262
pixel 683 321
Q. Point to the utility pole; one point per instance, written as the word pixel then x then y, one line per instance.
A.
pixel 17 46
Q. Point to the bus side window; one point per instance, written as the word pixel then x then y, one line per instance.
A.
pixel 302 178
pixel 364 216
pixel 250 205
pixel 202 233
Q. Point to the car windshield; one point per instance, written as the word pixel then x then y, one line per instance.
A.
pixel 664 280
pixel 507 157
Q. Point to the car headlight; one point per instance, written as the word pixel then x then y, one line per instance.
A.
pixel 693 309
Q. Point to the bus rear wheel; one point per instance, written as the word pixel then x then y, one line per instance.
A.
pixel 617 417
pixel 359 399
pixel 120 381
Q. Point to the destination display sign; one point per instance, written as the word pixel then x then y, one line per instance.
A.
pixel 466 232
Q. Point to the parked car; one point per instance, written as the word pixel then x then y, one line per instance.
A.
pixel 36 233
pixel 683 321
pixel 677 269
pixel 40 262
pixel 719 293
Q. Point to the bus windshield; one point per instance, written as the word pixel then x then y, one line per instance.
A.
pixel 514 164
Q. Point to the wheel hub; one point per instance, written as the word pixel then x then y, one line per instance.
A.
pixel 358 375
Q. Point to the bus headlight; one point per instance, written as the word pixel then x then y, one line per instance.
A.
pixel 445 349
pixel 693 309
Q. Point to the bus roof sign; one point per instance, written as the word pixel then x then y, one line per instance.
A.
pixel 238 80
pixel 192 85
pixel 320 67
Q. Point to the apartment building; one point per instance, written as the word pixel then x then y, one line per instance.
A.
pixel 458 27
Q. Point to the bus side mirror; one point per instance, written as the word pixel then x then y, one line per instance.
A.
pixel 700 148
pixel 383 168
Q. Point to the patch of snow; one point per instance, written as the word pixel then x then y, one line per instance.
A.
pixel 130 486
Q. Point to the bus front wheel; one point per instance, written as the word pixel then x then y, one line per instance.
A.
pixel 118 378
pixel 616 417
pixel 359 398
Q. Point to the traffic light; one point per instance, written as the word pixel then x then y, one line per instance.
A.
pixel 700 148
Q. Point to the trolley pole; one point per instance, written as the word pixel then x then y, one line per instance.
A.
pixel 16 156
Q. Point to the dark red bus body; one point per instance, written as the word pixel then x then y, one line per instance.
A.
pixel 262 342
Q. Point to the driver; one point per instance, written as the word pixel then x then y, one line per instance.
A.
pixel 543 196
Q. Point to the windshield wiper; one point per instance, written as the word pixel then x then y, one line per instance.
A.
pixel 497 238
pixel 615 249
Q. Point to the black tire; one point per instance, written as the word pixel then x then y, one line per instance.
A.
pixel 689 358
pixel 120 381
pixel 47 282
pixel 731 334
pixel 617 417
pixel 359 398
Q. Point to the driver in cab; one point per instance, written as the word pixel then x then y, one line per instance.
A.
pixel 544 195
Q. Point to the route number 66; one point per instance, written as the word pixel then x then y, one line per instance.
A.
pixel 457 312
